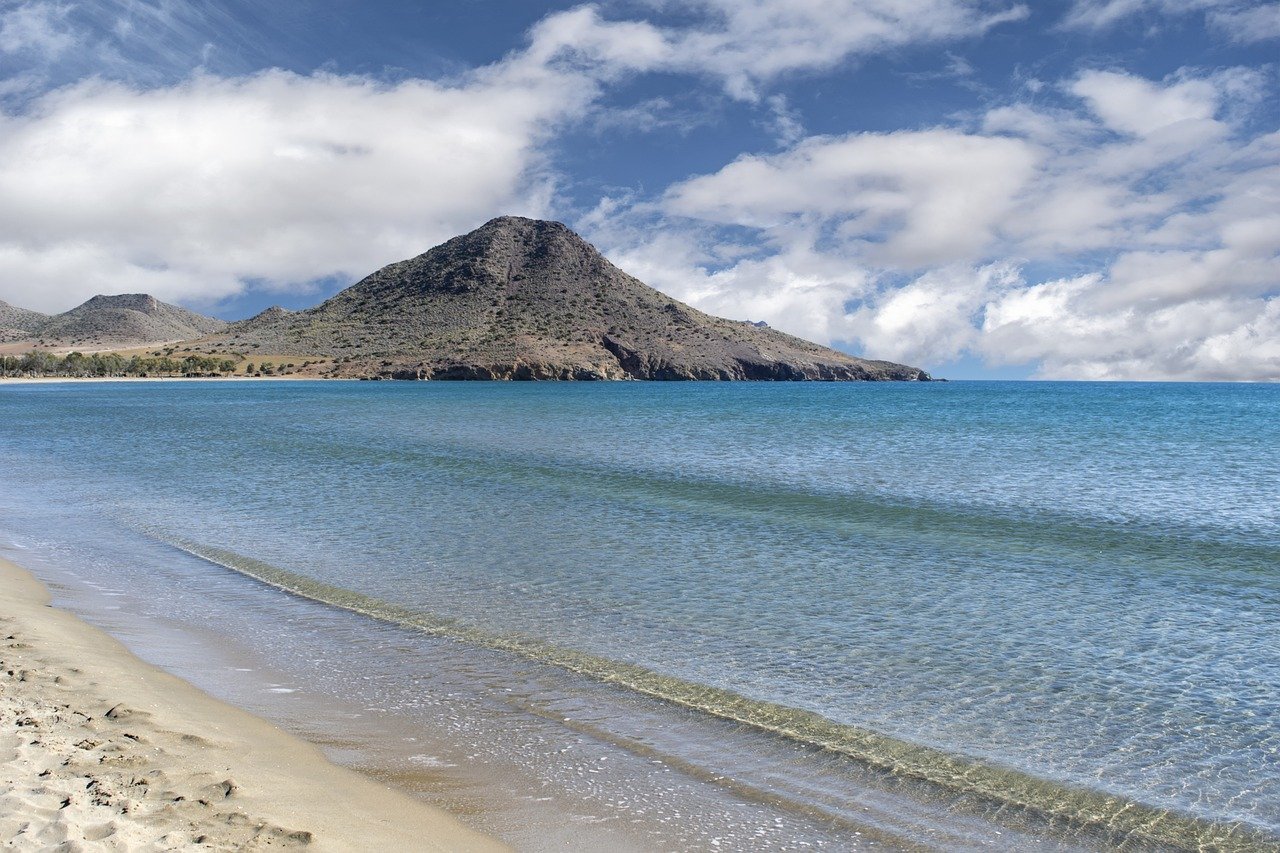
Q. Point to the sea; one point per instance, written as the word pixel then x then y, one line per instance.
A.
pixel 703 616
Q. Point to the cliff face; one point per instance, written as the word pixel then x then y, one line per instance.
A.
pixel 127 320
pixel 529 299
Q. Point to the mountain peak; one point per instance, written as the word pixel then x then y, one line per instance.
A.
pixel 507 237
pixel 143 302
pixel 529 298
pixel 522 223
pixel 125 320
pixel 273 313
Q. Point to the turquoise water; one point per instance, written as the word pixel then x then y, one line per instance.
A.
pixel 1052 592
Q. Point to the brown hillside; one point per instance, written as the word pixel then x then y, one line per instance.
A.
pixel 127 320
pixel 521 298
pixel 18 324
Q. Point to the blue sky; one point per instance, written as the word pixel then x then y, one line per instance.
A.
pixel 1076 189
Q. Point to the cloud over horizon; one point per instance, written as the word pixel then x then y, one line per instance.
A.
pixel 188 191
pixel 918 241
pixel 1098 222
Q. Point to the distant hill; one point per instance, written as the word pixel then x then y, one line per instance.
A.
pixel 261 320
pixel 529 299
pixel 127 320
pixel 17 324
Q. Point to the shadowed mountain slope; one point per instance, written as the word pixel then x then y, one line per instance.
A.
pixel 529 299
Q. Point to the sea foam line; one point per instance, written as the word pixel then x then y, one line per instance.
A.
pixel 1116 819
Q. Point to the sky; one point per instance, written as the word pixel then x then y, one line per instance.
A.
pixel 1079 189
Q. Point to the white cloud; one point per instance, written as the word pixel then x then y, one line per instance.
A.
pixel 1142 107
pixel 1150 189
pixel 749 43
pixel 910 199
pixel 933 318
pixel 581 35
pixel 35 28
pixel 1216 338
pixel 189 190
pixel 127 180
pixel 1097 14
pixel 1249 23
pixel 1239 20
pixel 788 127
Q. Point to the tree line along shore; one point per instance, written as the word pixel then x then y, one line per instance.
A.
pixel 78 365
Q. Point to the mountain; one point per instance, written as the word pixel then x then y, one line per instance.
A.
pixel 127 320
pixel 261 320
pixel 18 324
pixel 529 299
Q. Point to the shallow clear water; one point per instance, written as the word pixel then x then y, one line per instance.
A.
pixel 1077 582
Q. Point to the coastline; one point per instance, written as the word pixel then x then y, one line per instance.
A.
pixel 49 380
pixel 522 747
pixel 102 747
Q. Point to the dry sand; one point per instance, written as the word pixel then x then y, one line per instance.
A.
pixel 100 751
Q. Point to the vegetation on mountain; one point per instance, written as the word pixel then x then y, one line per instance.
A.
pixel 515 299
pixel 18 324
pixel 127 320
pixel 529 299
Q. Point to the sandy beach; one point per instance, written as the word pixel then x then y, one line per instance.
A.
pixel 100 751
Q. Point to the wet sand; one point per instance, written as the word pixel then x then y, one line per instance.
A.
pixel 100 751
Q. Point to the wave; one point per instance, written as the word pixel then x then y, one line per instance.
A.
pixel 996 790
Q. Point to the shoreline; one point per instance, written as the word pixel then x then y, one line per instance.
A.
pixel 40 380
pixel 103 748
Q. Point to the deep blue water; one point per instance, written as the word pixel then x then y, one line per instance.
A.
pixel 1079 582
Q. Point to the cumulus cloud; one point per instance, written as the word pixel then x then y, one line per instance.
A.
pixel 152 172
pixel 911 198
pixel 923 245
pixel 915 245
pixel 189 190
pixel 1055 324
pixel 933 318
pixel 1141 107
pixel 748 43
